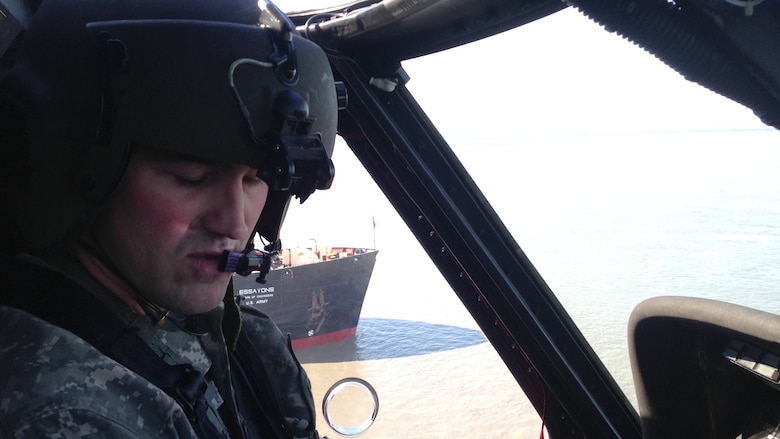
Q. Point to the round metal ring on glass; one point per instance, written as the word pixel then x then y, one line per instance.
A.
pixel 338 387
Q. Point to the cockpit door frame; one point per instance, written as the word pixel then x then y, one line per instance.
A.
pixel 423 179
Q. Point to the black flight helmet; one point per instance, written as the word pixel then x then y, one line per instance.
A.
pixel 228 81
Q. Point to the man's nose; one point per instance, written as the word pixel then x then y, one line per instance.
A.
pixel 227 211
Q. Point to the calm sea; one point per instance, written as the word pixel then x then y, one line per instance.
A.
pixel 608 221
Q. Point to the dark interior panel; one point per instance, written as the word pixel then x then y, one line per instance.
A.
pixel 704 368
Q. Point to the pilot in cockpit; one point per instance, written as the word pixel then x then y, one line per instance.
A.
pixel 143 144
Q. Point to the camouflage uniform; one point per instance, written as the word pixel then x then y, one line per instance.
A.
pixel 54 384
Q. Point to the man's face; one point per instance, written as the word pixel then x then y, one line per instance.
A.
pixel 168 222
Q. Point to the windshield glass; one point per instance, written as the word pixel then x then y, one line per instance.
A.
pixel 618 178
pixel 415 342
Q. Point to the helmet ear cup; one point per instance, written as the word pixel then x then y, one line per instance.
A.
pixel 56 164
pixel 14 143
pixel 42 198
pixel 14 169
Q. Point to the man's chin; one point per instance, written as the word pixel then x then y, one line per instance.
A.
pixel 200 298
pixel 199 308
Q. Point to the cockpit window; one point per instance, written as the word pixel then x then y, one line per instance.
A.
pixel 618 178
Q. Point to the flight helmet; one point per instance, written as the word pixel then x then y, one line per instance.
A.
pixel 222 80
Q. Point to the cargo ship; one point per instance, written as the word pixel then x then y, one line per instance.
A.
pixel 315 294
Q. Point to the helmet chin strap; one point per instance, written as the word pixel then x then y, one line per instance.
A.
pixel 87 251
pixel 167 319
pixel 97 261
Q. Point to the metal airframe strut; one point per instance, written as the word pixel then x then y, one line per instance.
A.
pixel 548 356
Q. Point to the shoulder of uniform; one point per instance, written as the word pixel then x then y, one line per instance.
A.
pixel 53 380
